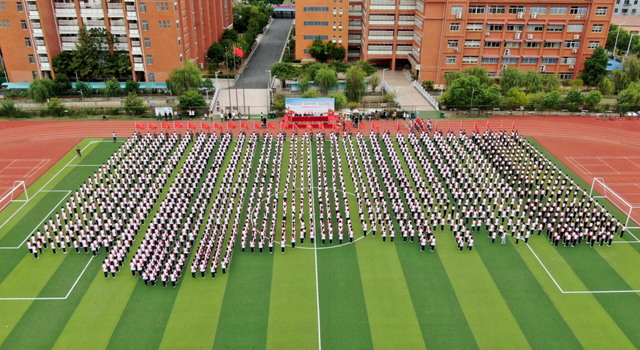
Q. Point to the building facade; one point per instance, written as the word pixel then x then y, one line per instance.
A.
pixel 158 35
pixel 439 36
pixel 627 8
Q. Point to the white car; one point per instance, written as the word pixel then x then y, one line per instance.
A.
pixel 631 114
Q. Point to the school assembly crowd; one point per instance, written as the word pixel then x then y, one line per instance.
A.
pixel 495 182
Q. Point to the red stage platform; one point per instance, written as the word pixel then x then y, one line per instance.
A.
pixel 293 118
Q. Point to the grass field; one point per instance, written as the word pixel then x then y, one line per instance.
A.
pixel 356 296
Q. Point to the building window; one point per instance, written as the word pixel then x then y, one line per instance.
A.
pixel 552 45
pixel 316 23
pixel 489 60
pixel 20 8
pixel 575 10
pixel 555 28
pixel 494 10
pixel 32 59
pixel 535 27
pixel 334 39
pixel 597 28
pixel 557 10
pixel 568 60
pixel 593 44
pixel 575 28
pixel 474 27
pixel 341 12
pixel 315 9
pixel 160 24
pixel 147 43
pixel 34 74
pixel 472 43
pixel 418 22
pixel 541 10
pixel 515 27
pixel 149 59
pixel 456 9
pixel 492 43
pixel 179 41
pixel 169 25
pixel 601 11
pixel 158 6
pixel 145 25
pixel 451 59
pixel 529 60
pixel 314 37
pixel 180 58
pixel 143 7
pixel 476 9
pixel 152 77
pixel 532 44
pixel 23 24
pixel 454 27
pixel 514 10
pixel 27 42
pixel 453 43
pixel 566 76
pixel 495 27
pixel 509 60
pixel 470 59
pixel 512 44
pixel 549 61
pixel 571 44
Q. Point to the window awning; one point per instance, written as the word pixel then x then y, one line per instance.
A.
pixel 494 22
pixel 553 40
pixel 514 40
pixel 530 56
pixel 535 40
pixel 492 39
pixel 490 56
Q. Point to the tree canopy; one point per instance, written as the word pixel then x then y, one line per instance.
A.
pixel 355 87
pixel 185 78
pixel 595 67
pixel 40 90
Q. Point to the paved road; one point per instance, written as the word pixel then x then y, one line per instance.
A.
pixel 268 52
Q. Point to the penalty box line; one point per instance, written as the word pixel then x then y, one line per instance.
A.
pixel 576 291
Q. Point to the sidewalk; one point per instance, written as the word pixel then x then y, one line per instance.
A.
pixel 407 94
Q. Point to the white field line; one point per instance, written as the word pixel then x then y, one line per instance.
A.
pixel 56 298
pixel 315 251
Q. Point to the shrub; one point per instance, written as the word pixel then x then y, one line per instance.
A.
pixel 428 84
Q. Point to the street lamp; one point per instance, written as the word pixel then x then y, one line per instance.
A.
pixel 615 47
pixel 217 86
pixel 629 46
pixel 269 84
pixel 471 105
pixel 383 70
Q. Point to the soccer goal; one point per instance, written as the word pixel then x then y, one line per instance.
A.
pixel 17 193
pixel 632 211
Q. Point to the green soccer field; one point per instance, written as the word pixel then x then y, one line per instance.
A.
pixel 364 295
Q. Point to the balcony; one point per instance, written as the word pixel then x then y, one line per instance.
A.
pixel 121 47
pixel 382 8
pixel 380 38
pixel 132 16
pixel 114 6
pixel 66 12
pixel 134 33
pixel 45 66
pixel 63 22
pixel 34 14
pixel 119 30
pixel 115 13
pixel 68 46
pixel 38 32
pixel 405 38
pixel 92 12
pixel 90 5
pixel 138 67
pixel 381 23
pixel 41 49
pixel 69 29
pixel 379 53
pixel 136 50
pixel 65 5
pixel 406 23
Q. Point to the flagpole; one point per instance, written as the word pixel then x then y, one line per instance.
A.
pixel 236 85
pixel 244 96
pixel 228 81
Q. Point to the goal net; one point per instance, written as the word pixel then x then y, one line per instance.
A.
pixel 631 210
pixel 17 193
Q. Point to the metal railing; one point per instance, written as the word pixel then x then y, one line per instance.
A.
pixel 426 95
pixel 388 89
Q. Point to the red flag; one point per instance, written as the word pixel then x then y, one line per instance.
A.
pixel 488 126
pixel 238 52
pixel 461 126
pixel 309 127
pixel 166 126
pixel 271 126
pixel 152 127
pixel 513 126
pixel 231 126
pixel 501 125
pixel 295 126
pixel 217 126
pixel 449 127
pixel 258 126
pixel 244 125
pixel 348 126
pixel 140 126
pixel 206 126
pixel 336 126
pixel 436 125
pixel 191 126
pixel 398 126
pixel 375 126
pixel 177 125
pixel 360 125
pixel 475 127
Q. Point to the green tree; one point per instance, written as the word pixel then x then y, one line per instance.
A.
pixel 536 99
pixel 55 107
pixel 374 82
pixel 215 54
pixel 340 100
pixel 338 53
pixel 510 78
pixel 574 98
pixel 490 96
pixel 593 98
pixel 595 67
pixel 326 79
pixel 551 82
pixel 304 84
pixel 185 78
pixel 233 61
pixel 8 109
pixel 311 68
pixel 191 98
pixel 318 50
pixel 112 87
pixel 620 80
pixel 452 76
pixel 131 86
pixel 61 84
pixel 83 88
pixel 631 67
pixel 284 71
pixel 623 39
pixel 208 83
pixel 516 98
pixel 63 63
pixel 630 95
pixel 533 82
pixel 230 34
pixel 339 66
pixel 92 52
pixel 606 86
pixel 133 104
pixel 481 73
pixel 552 100
pixel 118 65
pixel 366 67
pixel 40 90
pixel 461 91
pixel 576 83
pixel 355 85
pixel 311 93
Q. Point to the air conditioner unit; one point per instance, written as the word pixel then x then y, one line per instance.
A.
pixel 520 14
pixel 543 68
pixel 530 36
pixel 517 36
pixel 507 52
pixel 534 15
pixel 504 66
pixel 459 15
pixel 576 37
pixel 487 33
pixel 571 67
pixel 201 65
pixel 577 17
pixel 574 51
pixel 456 49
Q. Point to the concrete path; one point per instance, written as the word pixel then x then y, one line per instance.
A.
pixel 410 98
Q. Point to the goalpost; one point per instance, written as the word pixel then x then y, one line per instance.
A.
pixel 14 194
pixel 600 190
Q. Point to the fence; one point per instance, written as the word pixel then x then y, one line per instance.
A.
pixel 487 111
pixel 426 95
